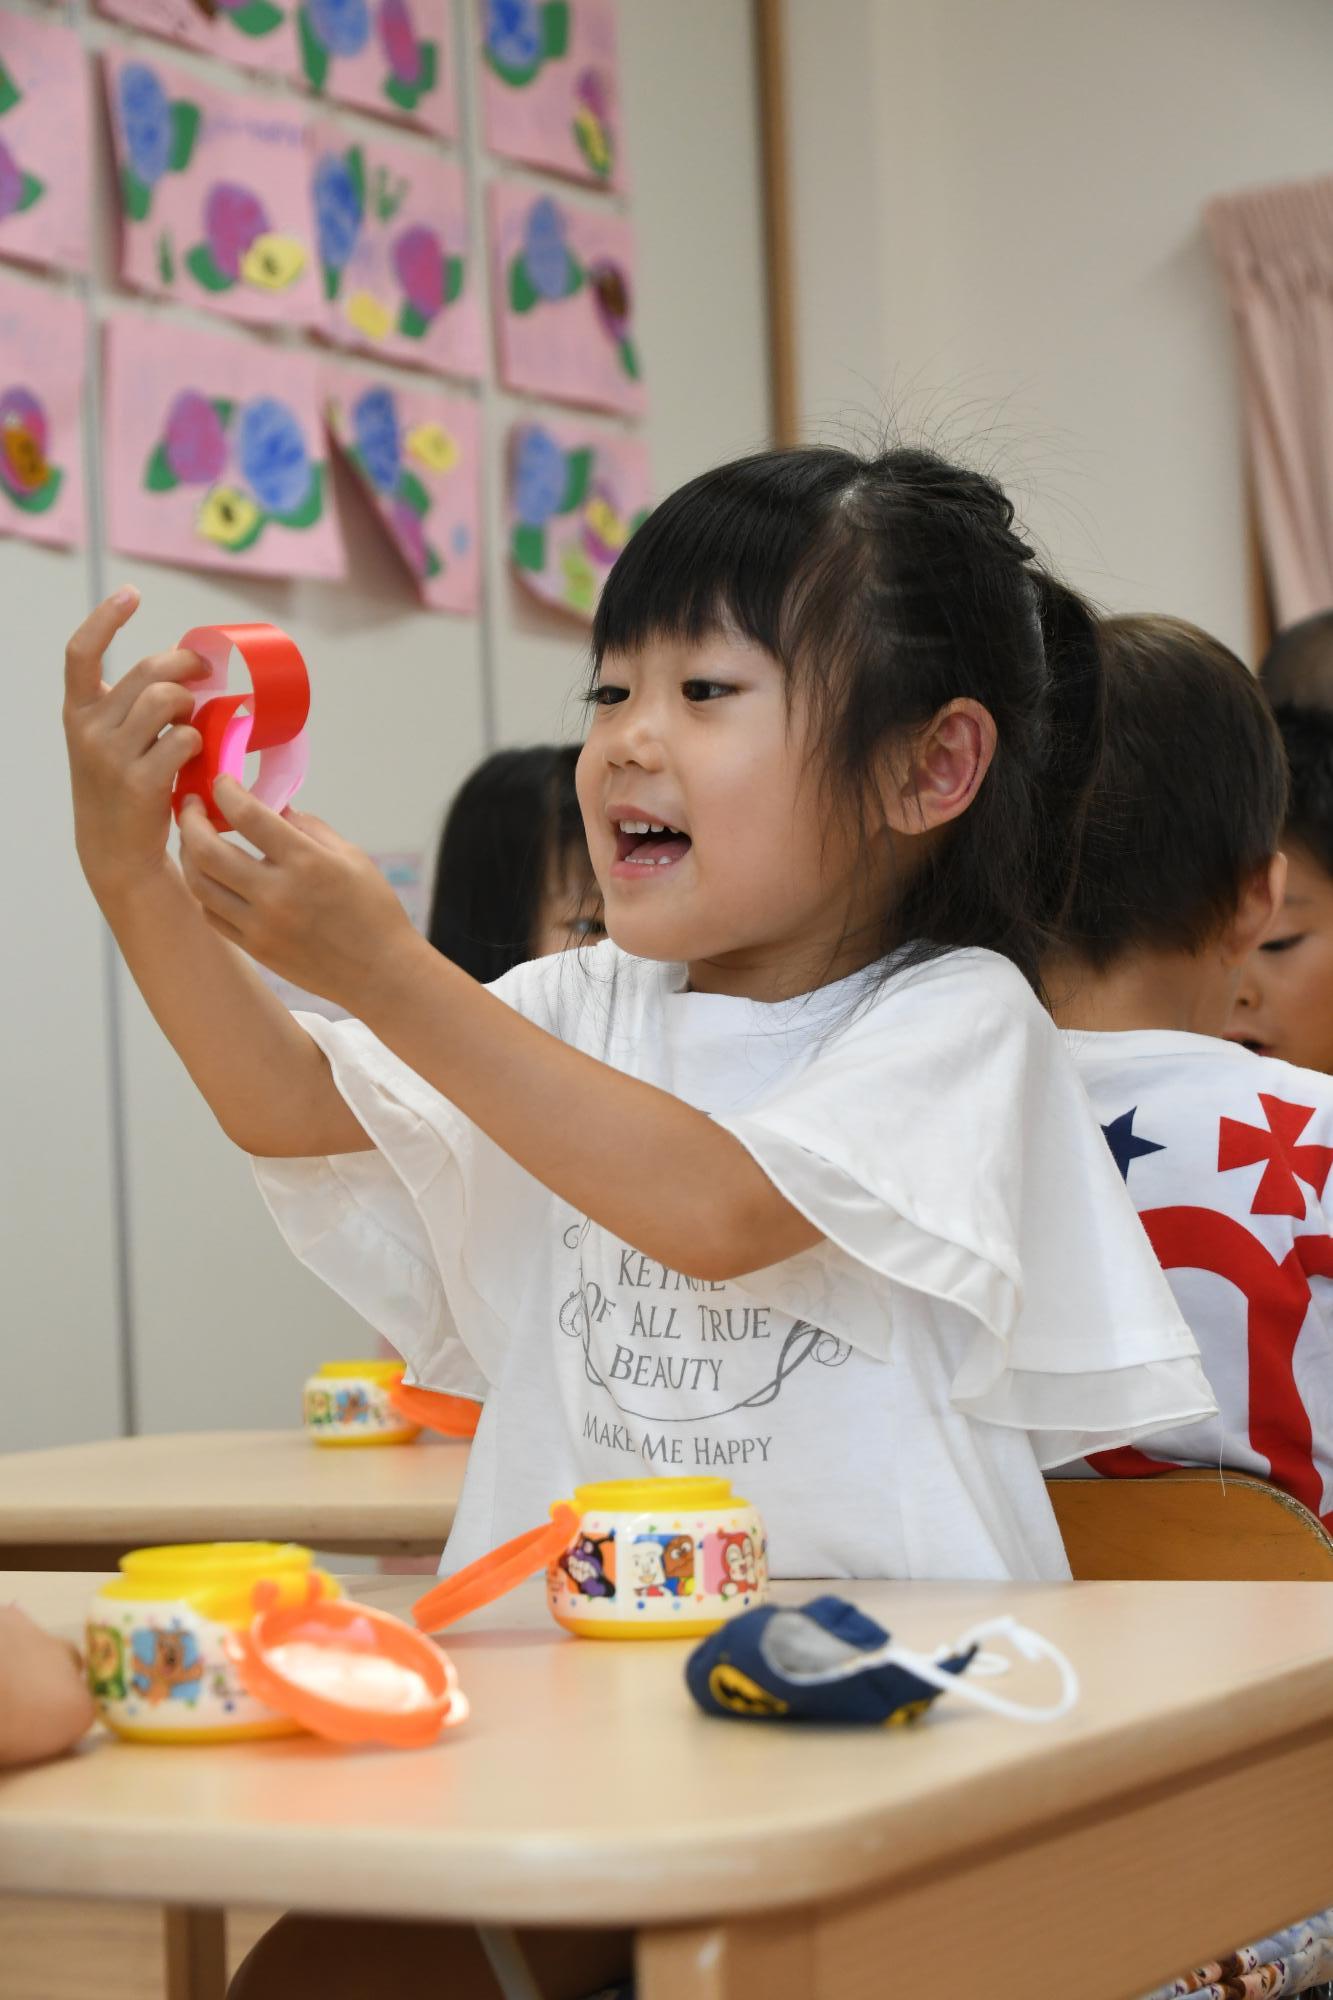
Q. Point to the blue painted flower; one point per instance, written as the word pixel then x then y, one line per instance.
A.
pixel 272 455
pixel 145 120
pixel 541 473
pixel 375 424
pixel 545 251
pixel 338 209
pixel 342 25
pixel 513 32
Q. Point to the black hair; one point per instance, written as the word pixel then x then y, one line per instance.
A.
pixel 1307 738
pixel 887 586
pixel 512 819
pixel 1190 798
pixel 1298 668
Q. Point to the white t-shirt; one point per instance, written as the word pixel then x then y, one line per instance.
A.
pixel 1227 1157
pixel 983 1303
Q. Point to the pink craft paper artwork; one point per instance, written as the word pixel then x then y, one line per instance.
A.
pixel 45 105
pixel 258 34
pixel 563 278
pixel 390 56
pixel 215 452
pixel 400 276
pixel 214 195
pixel 573 498
pixel 417 454
pixel 42 338
pixel 550 86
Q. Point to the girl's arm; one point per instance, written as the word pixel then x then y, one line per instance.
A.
pixel 646 1166
pixel 267 1083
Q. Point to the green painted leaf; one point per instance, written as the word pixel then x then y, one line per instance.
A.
pixel 429 73
pixel 166 259
pixel 310 508
pixel 522 291
pixel 637 520
pixel 250 537
pixel 529 546
pixel 136 197
pixel 411 489
pixel 578 471
pixel 184 132
pixel 33 190
pixel 355 162
pixel 453 279
pixel 224 409
pixel 158 476
pixel 332 280
pixel 433 564
pixel 412 323
pixel 314 55
pixel 555 30
pixel 10 94
pixel 42 497
pixel 629 359
pixel 404 95
pixel 199 262
pixel 574 276
pixel 516 78
pixel 258 18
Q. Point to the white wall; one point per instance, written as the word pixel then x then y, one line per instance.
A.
pixel 998 227
pixel 223 1325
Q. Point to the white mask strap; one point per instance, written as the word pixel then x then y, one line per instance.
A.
pixel 1030 1645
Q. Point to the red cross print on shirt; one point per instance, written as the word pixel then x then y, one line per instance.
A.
pixel 1278 1192
pixel 1277 1297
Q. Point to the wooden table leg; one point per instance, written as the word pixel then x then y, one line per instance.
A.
pixel 196 1952
pixel 774 1958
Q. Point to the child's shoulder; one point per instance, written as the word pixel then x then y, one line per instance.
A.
pixel 1223 1077
pixel 588 982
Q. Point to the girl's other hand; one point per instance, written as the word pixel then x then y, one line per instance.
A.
pixel 45 1705
pixel 126 743
pixel 310 906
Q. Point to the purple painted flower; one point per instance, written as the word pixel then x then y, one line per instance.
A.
pixel 11 182
pixel 23 435
pixel 195 440
pixel 273 455
pixel 541 473
pixel 411 536
pixel 338 209
pixel 375 428
pixel 343 26
pixel 545 251
pixel 610 292
pixel 418 259
pixel 145 118
pixel 514 33
pixel 398 39
pixel 590 94
pixel 233 217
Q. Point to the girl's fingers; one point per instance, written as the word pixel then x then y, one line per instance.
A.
pixel 83 654
pixel 274 834
pixel 175 666
pixel 213 859
pixel 155 708
pixel 223 928
pixel 170 754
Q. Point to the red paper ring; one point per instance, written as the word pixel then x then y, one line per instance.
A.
pixel 271 718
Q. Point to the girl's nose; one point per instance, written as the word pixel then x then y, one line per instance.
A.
pixel 1247 993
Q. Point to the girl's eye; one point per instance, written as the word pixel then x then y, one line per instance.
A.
pixel 705 690
pixel 606 695
pixel 586 927
pixel 1284 944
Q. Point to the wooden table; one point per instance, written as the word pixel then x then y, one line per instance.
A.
pixel 1184 1807
pixel 81 1506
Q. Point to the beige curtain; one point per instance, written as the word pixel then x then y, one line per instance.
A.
pixel 1275 247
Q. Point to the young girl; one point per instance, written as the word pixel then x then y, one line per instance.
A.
pixel 791 1178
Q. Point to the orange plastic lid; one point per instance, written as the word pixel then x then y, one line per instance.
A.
pixel 347 1672
pixel 491 1575
pixel 451 1416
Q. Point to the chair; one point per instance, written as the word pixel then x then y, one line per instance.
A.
pixel 1189 1526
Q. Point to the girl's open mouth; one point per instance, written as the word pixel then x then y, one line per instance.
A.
pixel 644 846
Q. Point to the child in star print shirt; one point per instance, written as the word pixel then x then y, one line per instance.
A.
pixel 1228 1155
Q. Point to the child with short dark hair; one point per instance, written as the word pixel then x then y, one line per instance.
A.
pixel 1226 1154
pixel 1284 1006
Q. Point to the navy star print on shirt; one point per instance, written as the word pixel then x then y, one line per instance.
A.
pixel 1125 1144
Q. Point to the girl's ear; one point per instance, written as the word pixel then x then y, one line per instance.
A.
pixel 938 776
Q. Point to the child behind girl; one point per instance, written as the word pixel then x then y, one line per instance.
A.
pixel 792 1179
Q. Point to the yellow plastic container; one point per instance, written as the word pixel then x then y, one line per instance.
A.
pixel 157 1665
pixel 348 1403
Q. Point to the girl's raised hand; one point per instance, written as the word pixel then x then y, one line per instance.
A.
pixel 310 906
pixel 126 743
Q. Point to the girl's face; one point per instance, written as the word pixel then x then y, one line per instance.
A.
pixel 1284 1006
pixel 749 879
pixel 570 910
